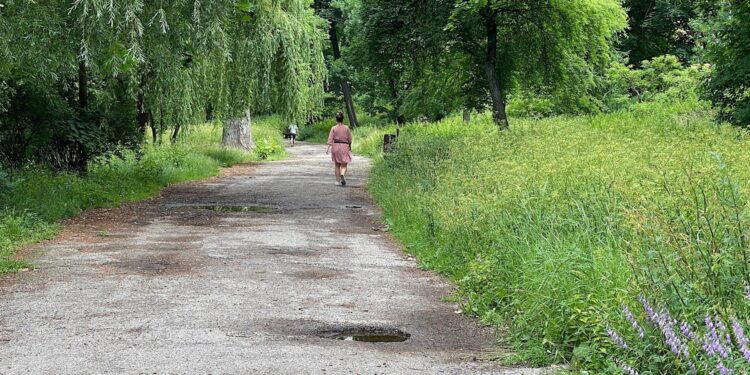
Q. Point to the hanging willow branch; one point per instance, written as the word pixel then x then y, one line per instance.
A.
pixel 180 56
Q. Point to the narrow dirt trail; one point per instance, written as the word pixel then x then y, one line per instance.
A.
pixel 173 285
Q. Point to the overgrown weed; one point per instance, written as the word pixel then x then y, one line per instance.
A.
pixel 551 227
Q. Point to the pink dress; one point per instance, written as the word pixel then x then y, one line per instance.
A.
pixel 340 138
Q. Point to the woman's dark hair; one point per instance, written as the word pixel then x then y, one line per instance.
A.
pixel 339 117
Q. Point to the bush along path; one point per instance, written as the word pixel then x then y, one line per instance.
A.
pixel 268 269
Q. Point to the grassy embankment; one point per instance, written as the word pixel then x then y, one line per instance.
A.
pixel 552 227
pixel 34 199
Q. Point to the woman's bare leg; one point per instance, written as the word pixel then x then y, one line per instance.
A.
pixel 338 172
pixel 342 172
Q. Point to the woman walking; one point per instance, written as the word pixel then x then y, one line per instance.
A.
pixel 339 145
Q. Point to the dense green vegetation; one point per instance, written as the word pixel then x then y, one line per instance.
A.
pixel 427 60
pixel 34 198
pixel 578 167
pixel 584 234
pixel 552 227
pixel 79 79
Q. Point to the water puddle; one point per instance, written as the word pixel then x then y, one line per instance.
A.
pixel 353 206
pixel 366 334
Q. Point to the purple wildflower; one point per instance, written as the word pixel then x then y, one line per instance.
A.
pixel 633 322
pixel 650 314
pixel 666 324
pixel 724 334
pixel 722 369
pixel 616 338
pixel 687 331
pixel 742 340
pixel 629 370
pixel 712 344
pixel 624 366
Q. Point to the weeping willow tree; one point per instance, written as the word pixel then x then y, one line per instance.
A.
pixel 98 65
pixel 235 57
pixel 271 59
pixel 171 78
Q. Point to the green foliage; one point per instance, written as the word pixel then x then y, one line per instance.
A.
pixel 269 141
pixel 44 128
pixel 368 140
pixel 663 79
pixel 438 91
pixel 33 199
pixel 658 28
pixel 427 60
pixel 727 41
pixel 318 131
pixel 81 78
pixel 550 227
pixel 272 60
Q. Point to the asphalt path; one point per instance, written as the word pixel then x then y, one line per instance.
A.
pixel 269 269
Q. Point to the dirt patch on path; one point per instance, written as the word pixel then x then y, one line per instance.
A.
pixel 164 287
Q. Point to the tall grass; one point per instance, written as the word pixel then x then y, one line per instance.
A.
pixel 552 227
pixel 32 200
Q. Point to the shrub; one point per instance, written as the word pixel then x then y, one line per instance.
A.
pixel 40 125
pixel 663 79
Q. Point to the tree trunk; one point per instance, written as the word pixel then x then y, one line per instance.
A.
pixel 154 133
pixel 345 89
pixel 237 133
pixel 175 133
pixel 83 86
pixel 353 122
pixel 393 86
pixel 209 112
pixel 490 68
pixel 141 112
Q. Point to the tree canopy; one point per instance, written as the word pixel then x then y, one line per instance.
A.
pixel 728 48
pixel 660 27
pixel 483 50
pixel 80 77
pixel 121 64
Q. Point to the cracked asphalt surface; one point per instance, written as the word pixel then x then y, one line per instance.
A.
pixel 172 286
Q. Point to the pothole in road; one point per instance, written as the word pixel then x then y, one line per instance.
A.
pixel 231 208
pixel 365 334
